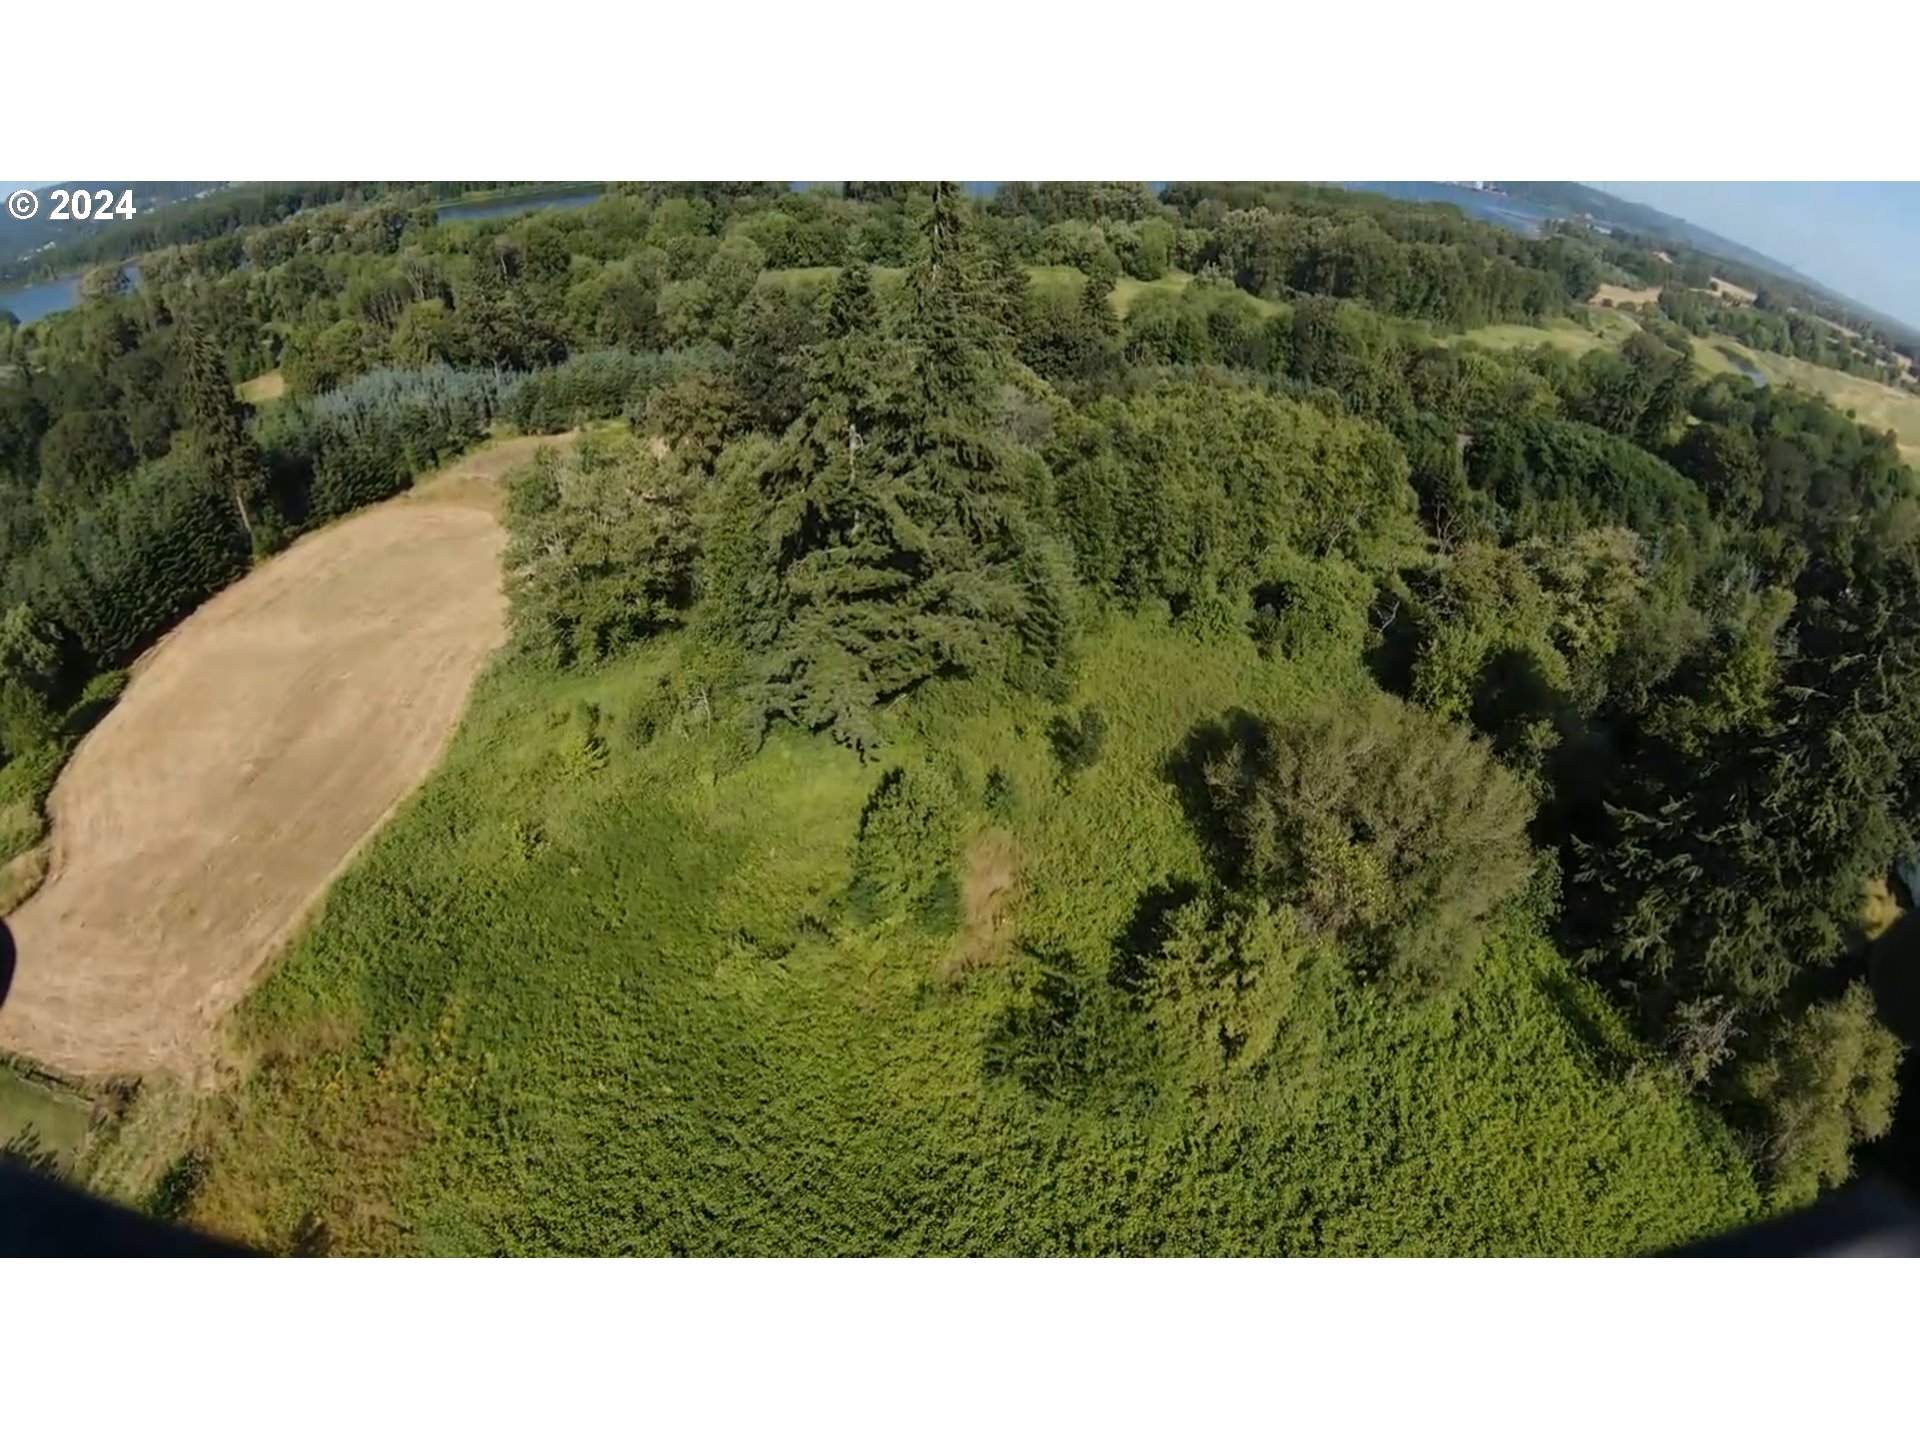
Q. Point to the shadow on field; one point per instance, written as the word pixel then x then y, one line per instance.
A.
pixel 1219 748
pixel 1146 932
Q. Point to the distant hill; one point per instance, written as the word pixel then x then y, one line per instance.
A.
pixel 1645 220
pixel 22 238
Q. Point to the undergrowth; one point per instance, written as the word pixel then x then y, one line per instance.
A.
pixel 613 984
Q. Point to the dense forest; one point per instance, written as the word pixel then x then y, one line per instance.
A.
pixel 1530 676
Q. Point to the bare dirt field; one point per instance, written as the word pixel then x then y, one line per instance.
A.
pixel 1727 290
pixel 256 748
pixel 1621 295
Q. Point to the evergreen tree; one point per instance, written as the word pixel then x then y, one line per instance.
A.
pixel 891 512
pixel 219 422
pixel 1100 328
pixel 1749 818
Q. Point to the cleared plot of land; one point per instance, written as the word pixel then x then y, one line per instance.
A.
pixel 1621 295
pixel 1727 290
pixel 256 748
pixel 1610 328
pixel 263 388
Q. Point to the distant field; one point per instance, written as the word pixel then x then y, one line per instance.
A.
pixel 1566 333
pixel 1727 290
pixel 1712 356
pixel 263 389
pixel 1065 279
pixel 1870 402
pixel 1621 295
pixel 1047 279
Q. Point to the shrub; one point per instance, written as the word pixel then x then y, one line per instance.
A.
pixel 1303 607
pixel 1002 796
pixel 602 549
pixel 697 414
pixel 903 859
pixel 1387 828
pixel 1078 742
pixel 1826 1080
pixel 1237 984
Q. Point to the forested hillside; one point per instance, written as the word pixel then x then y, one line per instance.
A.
pixel 996 762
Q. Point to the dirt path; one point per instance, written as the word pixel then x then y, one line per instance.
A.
pixel 256 748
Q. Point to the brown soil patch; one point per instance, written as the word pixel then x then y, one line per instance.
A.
pixel 1727 290
pixel 987 892
pixel 255 749
pixel 263 389
pixel 1621 295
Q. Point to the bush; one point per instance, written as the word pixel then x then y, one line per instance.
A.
pixel 1237 985
pixel 1827 1079
pixel 602 549
pixel 1002 797
pixel 1077 743
pixel 1390 830
pixel 903 859
pixel 697 414
pixel 1303 607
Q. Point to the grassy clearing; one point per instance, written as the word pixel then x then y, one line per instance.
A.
pixel 595 989
pixel 1622 295
pixel 1871 403
pixel 1046 280
pixel 1066 280
pixel 57 1117
pixel 263 389
pixel 1563 332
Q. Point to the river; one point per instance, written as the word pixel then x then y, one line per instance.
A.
pixel 49 297
pixel 457 210
pixel 1521 216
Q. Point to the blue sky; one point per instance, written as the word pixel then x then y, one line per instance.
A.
pixel 1861 239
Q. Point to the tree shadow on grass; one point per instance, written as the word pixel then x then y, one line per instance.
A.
pixel 1235 740
pixel 1394 645
pixel 1581 1008
pixel 1146 932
